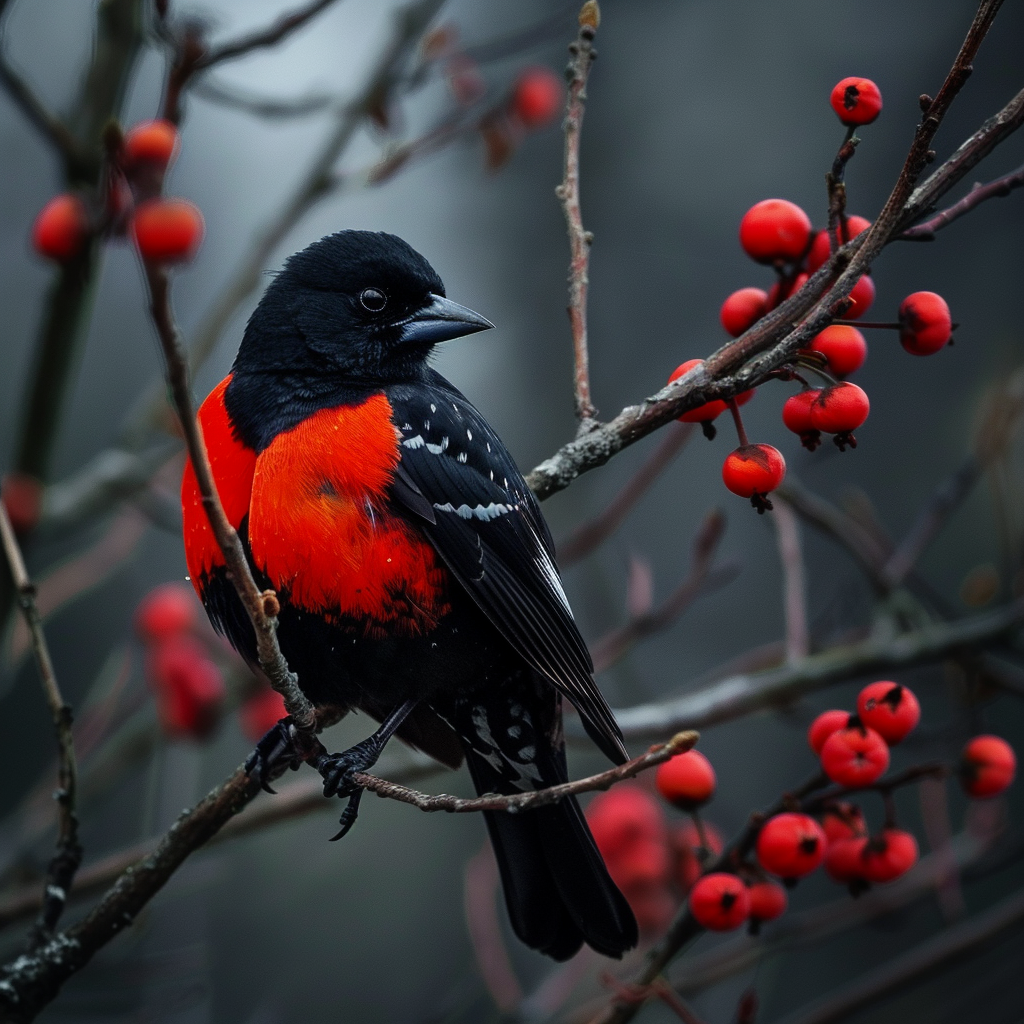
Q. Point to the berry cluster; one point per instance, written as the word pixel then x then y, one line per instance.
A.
pixel 779 234
pixel 657 863
pixel 163 230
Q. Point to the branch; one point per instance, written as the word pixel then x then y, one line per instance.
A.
pixel 743 694
pixel 583 56
pixel 269 107
pixel 261 606
pixel 64 863
pixel 787 531
pixel 925 231
pixel 590 535
pixel 516 802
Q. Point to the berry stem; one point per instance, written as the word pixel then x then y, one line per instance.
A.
pixel 738 420
pixel 705 850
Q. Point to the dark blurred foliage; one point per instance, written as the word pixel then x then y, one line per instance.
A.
pixel 696 110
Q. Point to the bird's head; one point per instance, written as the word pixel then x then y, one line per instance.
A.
pixel 363 304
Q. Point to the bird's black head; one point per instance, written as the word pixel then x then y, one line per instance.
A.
pixel 361 306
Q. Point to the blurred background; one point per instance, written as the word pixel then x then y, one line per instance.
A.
pixel 696 111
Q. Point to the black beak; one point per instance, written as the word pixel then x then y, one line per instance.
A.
pixel 442 320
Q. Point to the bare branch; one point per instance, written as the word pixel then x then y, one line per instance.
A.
pixel 925 231
pixel 787 531
pixel 270 107
pixel 64 863
pixel 583 56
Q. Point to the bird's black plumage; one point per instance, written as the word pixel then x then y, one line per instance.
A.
pixel 353 318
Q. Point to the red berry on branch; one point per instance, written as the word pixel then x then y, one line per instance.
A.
pixel 856 101
pixel 925 323
pixel 820 251
pixel 796 415
pixel 791 845
pixel 690 854
pixel 753 471
pixel 165 612
pixel 686 780
pixel 855 756
pixel 643 864
pixel 862 297
pixel 840 409
pixel 62 228
pixel 843 820
pixel 844 860
pixel 188 687
pixel 988 766
pixel 781 290
pixel 624 816
pixel 261 712
pixel 151 142
pixel 889 855
pixel 703 413
pixel 775 230
pixel 743 309
pixel 843 347
pixel 168 230
pixel 890 709
pixel 768 900
pixel 22 497
pixel 720 902
pixel 537 97
pixel 824 725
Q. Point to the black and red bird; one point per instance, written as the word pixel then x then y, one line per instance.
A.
pixel 415 572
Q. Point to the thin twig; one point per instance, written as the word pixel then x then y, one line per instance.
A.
pixel 516 802
pixel 583 55
pixel 925 231
pixel 836 185
pixel 787 531
pixel 65 862
pixel 590 535
pixel 270 107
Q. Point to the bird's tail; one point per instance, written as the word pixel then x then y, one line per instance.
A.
pixel 557 888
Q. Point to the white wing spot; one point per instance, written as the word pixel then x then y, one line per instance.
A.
pixel 406 426
pixel 461 456
pixel 469 434
pixel 426 424
pixel 414 442
pixel 435 449
pixel 492 474
pixel 433 408
pixel 488 445
pixel 484 512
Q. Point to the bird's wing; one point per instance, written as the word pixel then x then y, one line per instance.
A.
pixel 458 482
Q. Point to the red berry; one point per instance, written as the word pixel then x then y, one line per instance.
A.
pixel 844 859
pixel 61 229
pixel 775 230
pixel 166 611
pixel 842 820
pixel 720 902
pixel 820 251
pixel 925 323
pixel 537 96
pixel 768 900
pixel 261 712
pixel 856 101
pixel 686 843
pixel 889 855
pixel 856 756
pixel 888 708
pixel 796 415
pixel 843 346
pixel 862 297
pixel 168 230
pixel 188 687
pixel 645 863
pixel 686 780
pixel 781 290
pixel 791 845
pixel 743 309
pixel 653 907
pixel 824 725
pixel 703 413
pixel 623 817
pixel 152 142
pixel 22 497
pixel 754 470
pixel 840 409
pixel 987 766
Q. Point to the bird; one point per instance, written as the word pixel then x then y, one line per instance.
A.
pixel 414 571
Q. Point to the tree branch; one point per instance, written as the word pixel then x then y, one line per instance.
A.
pixel 65 862
pixel 583 56
pixel 787 531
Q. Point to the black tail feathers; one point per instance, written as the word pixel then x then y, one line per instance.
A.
pixel 557 888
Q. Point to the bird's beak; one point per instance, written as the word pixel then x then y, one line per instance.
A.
pixel 442 320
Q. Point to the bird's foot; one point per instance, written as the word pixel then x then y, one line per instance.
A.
pixel 275 752
pixel 337 771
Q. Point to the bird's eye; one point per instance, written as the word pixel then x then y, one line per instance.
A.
pixel 373 299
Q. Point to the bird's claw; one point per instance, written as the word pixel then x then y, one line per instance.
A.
pixel 337 771
pixel 276 750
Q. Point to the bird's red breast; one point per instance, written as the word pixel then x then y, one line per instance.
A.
pixel 319 524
